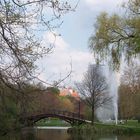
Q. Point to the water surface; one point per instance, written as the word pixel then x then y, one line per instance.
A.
pixel 59 133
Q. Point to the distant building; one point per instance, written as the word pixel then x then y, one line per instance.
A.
pixel 69 92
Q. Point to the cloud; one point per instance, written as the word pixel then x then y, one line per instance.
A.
pixel 102 2
pixel 107 5
pixel 57 65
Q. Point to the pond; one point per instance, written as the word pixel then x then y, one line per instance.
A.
pixel 59 133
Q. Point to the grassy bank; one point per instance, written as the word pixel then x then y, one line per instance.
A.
pixel 52 122
pixel 131 127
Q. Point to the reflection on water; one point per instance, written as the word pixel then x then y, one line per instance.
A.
pixel 60 134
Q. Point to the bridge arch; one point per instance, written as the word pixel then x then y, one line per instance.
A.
pixel 38 118
pixel 71 118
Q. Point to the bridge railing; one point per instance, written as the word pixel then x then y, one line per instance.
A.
pixel 66 113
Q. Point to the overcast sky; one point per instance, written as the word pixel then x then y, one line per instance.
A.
pixel 72 45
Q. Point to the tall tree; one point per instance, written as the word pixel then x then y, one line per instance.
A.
pixel 94 89
pixel 116 35
pixel 129 92
pixel 131 77
pixel 21 23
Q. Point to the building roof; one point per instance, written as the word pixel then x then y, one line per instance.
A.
pixel 70 92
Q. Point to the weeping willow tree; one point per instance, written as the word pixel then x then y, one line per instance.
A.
pixel 117 35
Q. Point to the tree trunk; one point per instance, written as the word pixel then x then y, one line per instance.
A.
pixel 92 119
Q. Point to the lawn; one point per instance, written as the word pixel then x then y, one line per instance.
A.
pixel 133 123
pixel 52 122
pixel 129 127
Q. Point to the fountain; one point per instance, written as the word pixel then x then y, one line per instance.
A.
pixel 114 83
pixel 104 114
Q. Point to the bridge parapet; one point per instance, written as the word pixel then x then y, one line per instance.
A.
pixel 66 113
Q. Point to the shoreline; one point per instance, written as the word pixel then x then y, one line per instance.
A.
pixel 52 127
pixel 100 128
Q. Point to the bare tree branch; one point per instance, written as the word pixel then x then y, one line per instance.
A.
pixel 94 89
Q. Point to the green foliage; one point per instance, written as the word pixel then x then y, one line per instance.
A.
pixel 14 105
pixel 8 116
pixel 54 90
pixel 88 113
pixel 116 35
